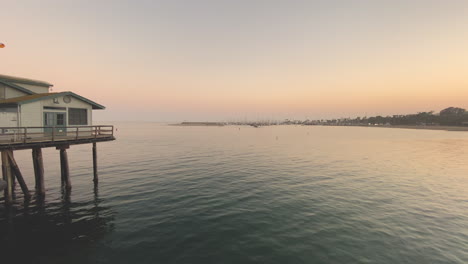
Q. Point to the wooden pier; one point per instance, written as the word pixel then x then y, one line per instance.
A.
pixel 36 138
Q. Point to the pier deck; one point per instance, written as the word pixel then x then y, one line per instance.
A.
pixel 36 138
pixel 16 138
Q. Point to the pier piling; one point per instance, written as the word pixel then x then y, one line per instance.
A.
pixel 95 169
pixel 7 176
pixel 19 176
pixel 65 168
pixel 36 141
pixel 13 177
pixel 38 170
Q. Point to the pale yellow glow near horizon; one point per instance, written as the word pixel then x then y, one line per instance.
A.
pixel 188 64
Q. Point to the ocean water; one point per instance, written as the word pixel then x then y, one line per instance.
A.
pixel 280 194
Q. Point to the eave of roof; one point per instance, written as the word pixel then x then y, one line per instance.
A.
pixel 15 86
pixel 24 80
pixel 43 96
pixel 26 98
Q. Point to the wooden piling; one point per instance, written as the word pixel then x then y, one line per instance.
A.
pixel 65 169
pixel 12 173
pixel 95 168
pixel 7 176
pixel 16 171
pixel 3 185
pixel 38 170
pixel 13 177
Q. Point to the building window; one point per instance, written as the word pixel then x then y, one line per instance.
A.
pixel 60 119
pixel 49 119
pixel 77 116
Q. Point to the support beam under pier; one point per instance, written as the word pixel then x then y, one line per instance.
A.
pixel 7 176
pixel 15 169
pixel 38 170
pixel 95 166
pixel 65 169
pixel 11 165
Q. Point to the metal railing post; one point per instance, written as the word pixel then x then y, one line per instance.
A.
pixel 25 134
pixel 77 128
pixel 53 133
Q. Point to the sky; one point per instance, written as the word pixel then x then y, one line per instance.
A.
pixel 210 60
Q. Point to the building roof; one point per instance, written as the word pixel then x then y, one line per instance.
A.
pixel 7 78
pixel 25 98
pixel 12 85
pixel 43 96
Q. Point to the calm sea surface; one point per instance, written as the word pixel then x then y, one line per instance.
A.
pixel 285 194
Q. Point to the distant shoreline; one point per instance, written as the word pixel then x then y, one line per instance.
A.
pixel 199 124
pixel 444 128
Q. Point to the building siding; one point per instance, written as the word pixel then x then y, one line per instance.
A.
pixel 12 92
pixel 2 91
pixel 34 88
pixel 75 103
pixel 31 114
pixel 8 117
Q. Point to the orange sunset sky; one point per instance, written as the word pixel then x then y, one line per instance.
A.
pixel 221 60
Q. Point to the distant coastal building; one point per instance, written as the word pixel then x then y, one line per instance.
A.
pixel 29 103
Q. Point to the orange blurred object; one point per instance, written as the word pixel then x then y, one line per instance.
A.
pixel 2 45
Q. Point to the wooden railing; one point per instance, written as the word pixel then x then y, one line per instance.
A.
pixel 9 135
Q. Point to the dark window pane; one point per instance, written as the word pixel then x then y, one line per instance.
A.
pixel 77 116
pixel 60 119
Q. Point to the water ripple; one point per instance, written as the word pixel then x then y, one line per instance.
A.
pixel 268 195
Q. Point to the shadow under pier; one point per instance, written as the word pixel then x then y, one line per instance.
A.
pixel 41 231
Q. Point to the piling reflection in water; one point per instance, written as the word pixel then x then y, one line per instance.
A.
pixel 37 231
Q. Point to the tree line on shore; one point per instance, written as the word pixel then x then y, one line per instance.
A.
pixel 451 116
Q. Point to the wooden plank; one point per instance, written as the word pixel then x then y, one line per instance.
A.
pixel 16 171
pixel 7 176
pixel 95 168
pixel 65 169
pixel 38 170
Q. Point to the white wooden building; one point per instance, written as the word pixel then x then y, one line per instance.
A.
pixel 31 117
pixel 29 103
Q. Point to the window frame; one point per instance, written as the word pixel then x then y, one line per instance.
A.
pixel 77 119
